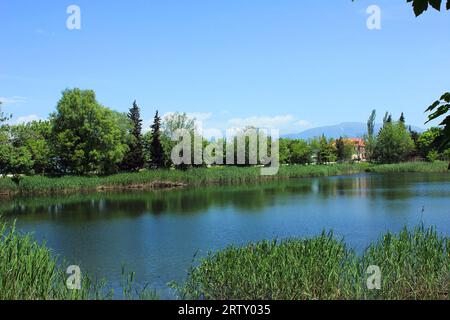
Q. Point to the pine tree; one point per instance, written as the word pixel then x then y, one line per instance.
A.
pixel 134 160
pixel 340 149
pixel 156 149
pixel 402 119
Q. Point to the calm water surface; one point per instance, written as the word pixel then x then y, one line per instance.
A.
pixel 157 234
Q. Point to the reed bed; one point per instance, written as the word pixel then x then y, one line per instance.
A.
pixel 425 167
pixel 414 265
pixel 148 179
pixel 167 178
pixel 29 271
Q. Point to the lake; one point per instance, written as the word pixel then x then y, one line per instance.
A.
pixel 157 234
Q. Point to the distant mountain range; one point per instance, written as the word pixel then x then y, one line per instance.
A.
pixel 347 129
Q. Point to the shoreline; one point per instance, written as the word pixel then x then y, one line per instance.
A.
pixel 175 179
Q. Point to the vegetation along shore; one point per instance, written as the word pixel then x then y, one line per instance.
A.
pixel 162 179
pixel 85 146
pixel 414 264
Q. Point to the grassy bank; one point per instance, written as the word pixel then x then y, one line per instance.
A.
pixel 201 176
pixel 425 167
pixel 414 265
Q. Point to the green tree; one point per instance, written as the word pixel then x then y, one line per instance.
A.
pixel 327 151
pixel 88 138
pixel 344 150
pixel 394 144
pixel 284 151
pixel 13 160
pixel 134 159
pixel 300 152
pixel 370 138
pixel 427 141
pixel 35 137
pixel 156 148
pixel 171 123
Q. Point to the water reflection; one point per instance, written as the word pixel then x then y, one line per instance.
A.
pixel 158 233
pixel 254 198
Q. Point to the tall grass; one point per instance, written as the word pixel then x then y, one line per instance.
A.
pixel 438 166
pixel 29 271
pixel 414 265
pixel 167 178
pixel 198 176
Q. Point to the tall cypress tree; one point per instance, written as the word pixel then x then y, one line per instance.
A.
pixel 156 148
pixel 134 159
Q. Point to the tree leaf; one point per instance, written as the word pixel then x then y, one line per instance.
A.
pixel 436 4
pixel 420 6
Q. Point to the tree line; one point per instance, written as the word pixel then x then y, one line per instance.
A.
pixel 83 137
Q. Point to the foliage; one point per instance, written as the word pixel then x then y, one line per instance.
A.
pixel 156 148
pixel 344 150
pixel 394 143
pixel 3 117
pixel 88 137
pixel 441 108
pixel 169 178
pixel 300 152
pixel 420 6
pixel 35 137
pixel 171 123
pixel 426 142
pixel 134 158
pixel 414 265
pixel 29 271
pixel 433 156
pixel 407 167
pixel 327 151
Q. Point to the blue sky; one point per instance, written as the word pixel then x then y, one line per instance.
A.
pixel 288 64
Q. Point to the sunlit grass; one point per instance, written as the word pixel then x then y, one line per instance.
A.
pixel 29 271
pixel 438 166
pixel 414 265
pixel 198 176
pixel 168 178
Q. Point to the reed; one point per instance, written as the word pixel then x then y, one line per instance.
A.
pixel 29 271
pixel 425 167
pixel 167 178
pixel 414 265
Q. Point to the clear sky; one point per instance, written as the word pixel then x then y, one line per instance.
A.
pixel 291 64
